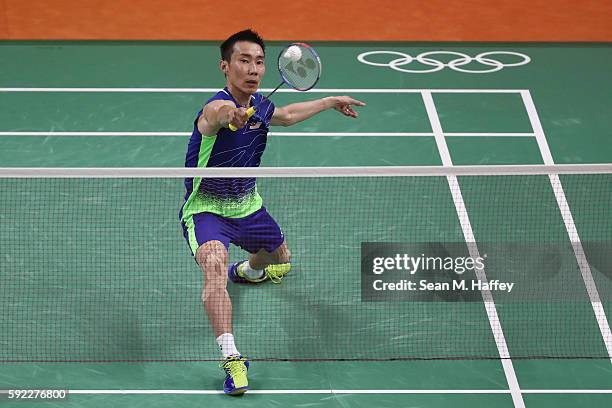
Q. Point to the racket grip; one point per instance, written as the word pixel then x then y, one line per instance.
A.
pixel 250 112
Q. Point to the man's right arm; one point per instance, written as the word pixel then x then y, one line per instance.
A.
pixel 219 114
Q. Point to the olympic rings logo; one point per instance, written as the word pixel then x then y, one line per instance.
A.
pixel 456 64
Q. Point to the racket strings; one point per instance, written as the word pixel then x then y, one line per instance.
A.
pixel 301 74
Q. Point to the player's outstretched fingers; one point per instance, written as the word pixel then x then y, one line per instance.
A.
pixel 343 105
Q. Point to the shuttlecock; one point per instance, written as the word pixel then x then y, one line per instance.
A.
pixel 293 53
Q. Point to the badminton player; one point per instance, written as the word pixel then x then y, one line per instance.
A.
pixel 220 211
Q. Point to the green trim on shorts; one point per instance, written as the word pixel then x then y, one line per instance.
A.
pixel 191 235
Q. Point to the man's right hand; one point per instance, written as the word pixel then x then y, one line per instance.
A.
pixel 238 117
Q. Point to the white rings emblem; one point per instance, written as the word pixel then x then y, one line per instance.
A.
pixel 399 60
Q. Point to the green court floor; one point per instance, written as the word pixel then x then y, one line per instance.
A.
pixel 82 104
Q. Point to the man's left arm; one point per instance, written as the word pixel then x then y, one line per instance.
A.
pixel 297 112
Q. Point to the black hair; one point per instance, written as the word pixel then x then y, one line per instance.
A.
pixel 227 47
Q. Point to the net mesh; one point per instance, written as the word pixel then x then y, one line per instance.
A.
pixel 96 269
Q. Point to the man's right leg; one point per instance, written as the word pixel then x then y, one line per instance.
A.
pixel 212 258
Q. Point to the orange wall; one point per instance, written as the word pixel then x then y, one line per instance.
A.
pixel 425 20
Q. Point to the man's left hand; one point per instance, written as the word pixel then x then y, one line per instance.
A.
pixel 343 105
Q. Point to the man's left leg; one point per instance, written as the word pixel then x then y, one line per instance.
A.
pixel 270 256
pixel 262 265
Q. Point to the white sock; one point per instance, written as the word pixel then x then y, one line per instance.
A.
pixel 249 272
pixel 226 344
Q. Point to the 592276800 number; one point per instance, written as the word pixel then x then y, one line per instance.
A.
pixel 26 394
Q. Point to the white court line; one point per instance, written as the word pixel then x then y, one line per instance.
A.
pixel 393 134
pixel 94 133
pixel 297 134
pixel 282 90
pixel 339 391
pixel 570 226
pixel 351 134
pixel 468 233
pixel 499 134
pixel 567 391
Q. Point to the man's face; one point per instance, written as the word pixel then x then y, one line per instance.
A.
pixel 246 67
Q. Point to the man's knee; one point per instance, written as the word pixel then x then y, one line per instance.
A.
pixel 283 254
pixel 211 255
pixel 212 258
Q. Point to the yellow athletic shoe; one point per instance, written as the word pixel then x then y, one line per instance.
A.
pixel 274 272
pixel 236 382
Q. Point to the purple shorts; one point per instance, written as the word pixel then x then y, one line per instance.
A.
pixel 251 233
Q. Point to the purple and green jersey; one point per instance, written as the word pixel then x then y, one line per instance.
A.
pixel 226 197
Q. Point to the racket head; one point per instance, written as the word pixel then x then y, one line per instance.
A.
pixel 304 73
